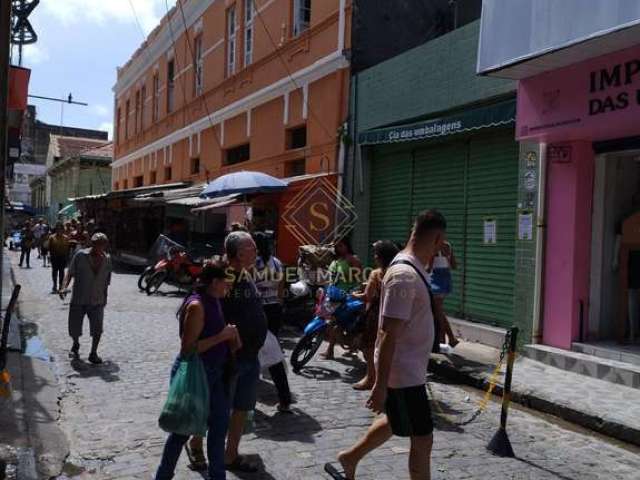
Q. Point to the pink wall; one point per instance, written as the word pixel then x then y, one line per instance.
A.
pixel 568 248
pixel 596 99
pixel 569 108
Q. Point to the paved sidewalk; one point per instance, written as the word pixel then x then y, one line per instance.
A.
pixel 599 405
pixel 31 443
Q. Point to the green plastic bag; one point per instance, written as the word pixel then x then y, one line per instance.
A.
pixel 186 410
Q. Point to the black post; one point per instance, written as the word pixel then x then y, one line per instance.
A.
pixel 5 49
pixel 500 444
pixel 581 321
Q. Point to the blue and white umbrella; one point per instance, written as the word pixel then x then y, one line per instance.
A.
pixel 243 183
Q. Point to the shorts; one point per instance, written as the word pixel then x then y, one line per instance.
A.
pixel 244 385
pixel 76 319
pixel 409 411
pixel 441 282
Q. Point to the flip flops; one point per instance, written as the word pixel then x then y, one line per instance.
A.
pixel 335 474
pixel 197 462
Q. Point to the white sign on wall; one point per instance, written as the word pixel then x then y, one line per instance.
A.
pixel 490 231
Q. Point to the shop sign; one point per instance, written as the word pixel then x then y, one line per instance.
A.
pixel 502 113
pixel 597 99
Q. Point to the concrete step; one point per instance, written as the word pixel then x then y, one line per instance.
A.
pixel 622 353
pixel 477 332
pixel 614 371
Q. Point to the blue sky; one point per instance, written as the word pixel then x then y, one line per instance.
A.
pixel 81 42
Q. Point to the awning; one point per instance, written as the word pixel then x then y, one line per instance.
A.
pixel 308 176
pixel 502 113
pixel 150 191
pixel 18 207
pixel 189 201
pixel 218 203
pixel 69 211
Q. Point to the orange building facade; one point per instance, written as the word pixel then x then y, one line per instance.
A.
pixel 227 85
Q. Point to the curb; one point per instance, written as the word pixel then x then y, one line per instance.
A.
pixel 27 458
pixel 530 400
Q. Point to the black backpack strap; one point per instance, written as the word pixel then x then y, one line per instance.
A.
pixel 420 274
pixel 436 328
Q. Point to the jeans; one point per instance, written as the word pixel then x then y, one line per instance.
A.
pixel 278 371
pixel 58 264
pixel 278 374
pixel 216 435
pixel 25 254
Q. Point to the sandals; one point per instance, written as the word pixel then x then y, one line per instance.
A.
pixel 240 464
pixel 197 462
pixel 95 359
pixel 284 408
pixel 335 474
pixel 362 387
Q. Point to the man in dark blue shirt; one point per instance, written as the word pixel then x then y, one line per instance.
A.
pixel 243 308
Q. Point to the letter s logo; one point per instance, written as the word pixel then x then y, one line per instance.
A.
pixel 317 212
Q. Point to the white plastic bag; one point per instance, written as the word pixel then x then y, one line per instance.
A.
pixel 270 354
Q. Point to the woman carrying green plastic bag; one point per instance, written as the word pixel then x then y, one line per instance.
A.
pixel 198 402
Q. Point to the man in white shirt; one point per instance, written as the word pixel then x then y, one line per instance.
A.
pixel 405 341
pixel 38 232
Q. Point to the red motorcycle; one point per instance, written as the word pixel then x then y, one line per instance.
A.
pixel 176 268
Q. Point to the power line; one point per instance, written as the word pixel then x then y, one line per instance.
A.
pixel 276 48
pixel 151 60
pixel 202 96
pixel 286 67
pixel 175 50
pixel 144 38
pixel 135 15
pixel 193 57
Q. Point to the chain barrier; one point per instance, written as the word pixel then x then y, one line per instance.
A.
pixel 484 402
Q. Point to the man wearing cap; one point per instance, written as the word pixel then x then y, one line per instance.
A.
pixel 90 269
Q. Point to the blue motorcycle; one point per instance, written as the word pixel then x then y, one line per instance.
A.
pixel 335 310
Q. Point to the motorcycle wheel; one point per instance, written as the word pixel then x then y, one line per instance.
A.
pixel 144 279
pixel 306 348
pixel 155 282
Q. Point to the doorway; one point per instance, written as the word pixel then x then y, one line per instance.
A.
pixel 616 195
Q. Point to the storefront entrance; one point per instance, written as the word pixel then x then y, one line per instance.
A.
pixel 616 196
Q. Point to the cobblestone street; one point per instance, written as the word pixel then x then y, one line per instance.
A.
pixel 110 412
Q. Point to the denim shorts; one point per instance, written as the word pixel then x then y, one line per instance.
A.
pixel 441 281
pixel 244 385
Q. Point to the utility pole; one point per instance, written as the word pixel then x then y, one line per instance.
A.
pixel 5 49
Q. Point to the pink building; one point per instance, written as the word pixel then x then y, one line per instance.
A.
pixel 579 97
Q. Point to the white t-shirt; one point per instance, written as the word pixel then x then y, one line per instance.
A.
pixel 38 231
pixel 268 279
pixel 405 296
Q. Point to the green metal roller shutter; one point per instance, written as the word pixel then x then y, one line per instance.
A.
pixel 492 186
pixel 390 195
pixel 439 182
